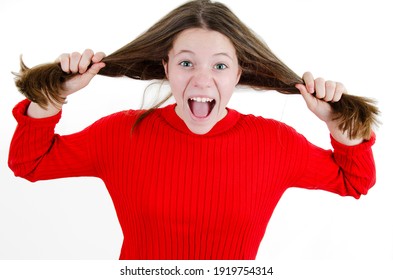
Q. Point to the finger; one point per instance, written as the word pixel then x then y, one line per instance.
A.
pixel 308 79
pixel 98 57
pixel 85 60
pixel 330 89
pixel 340 90
pixel 320 88
pixel 64 60
pixel 75 57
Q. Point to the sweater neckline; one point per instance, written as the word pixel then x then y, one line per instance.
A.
pixel 170 116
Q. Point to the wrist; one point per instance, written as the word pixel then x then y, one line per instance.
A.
pixel 342 136
pixel 37 112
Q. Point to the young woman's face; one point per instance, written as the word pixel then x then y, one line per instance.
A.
pixel 202 71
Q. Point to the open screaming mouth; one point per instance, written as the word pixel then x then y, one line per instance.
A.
pixel 201 107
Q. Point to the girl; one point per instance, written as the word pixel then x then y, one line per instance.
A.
pixel 195 179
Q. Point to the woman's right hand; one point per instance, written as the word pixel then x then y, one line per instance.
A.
pixel 85 65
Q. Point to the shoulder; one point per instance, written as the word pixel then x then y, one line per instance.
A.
pixel 124 121
pixel 116 122
pixel 121 116
pixel 266 124
pixel 270 130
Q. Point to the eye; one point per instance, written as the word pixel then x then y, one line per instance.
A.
pixel 220 66
pixel 185 63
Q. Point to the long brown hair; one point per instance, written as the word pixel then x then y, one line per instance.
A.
pixel 142 59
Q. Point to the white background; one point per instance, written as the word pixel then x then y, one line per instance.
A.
pixel 347 41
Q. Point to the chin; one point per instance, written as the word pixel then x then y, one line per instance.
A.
pixel 200 130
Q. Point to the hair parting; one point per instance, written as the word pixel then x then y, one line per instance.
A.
pixel 142 59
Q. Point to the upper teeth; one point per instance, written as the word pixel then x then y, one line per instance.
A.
pixel 201 99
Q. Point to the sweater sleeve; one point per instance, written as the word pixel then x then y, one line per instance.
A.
pixel 347 170
pixel 37 153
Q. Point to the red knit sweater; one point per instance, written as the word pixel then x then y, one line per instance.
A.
pixel 184 196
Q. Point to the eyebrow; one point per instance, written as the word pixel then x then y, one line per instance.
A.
pixel 192 53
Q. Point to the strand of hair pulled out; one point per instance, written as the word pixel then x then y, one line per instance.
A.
pixel 142 59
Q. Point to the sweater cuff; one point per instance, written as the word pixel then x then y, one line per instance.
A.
pixel 21 117
pixel 352 150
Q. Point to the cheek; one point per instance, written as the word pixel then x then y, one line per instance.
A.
pixel 226 96
pixel 178 86
pixel 227 88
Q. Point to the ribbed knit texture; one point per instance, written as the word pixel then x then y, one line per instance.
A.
pixel 184 196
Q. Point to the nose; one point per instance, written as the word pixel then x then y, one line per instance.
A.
pixel 202 79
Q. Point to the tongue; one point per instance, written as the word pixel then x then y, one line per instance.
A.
pixel 199 109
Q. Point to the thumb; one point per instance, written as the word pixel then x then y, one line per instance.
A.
pixel 95 68
pixel 91 72
pixel 76 82
pixel 308 97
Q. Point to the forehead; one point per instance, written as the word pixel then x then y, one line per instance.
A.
pixel 203 39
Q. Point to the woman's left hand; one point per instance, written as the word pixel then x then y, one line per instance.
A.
pixel 318 93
